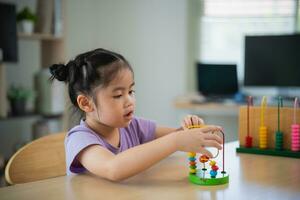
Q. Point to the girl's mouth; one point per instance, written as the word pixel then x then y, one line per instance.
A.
pixel 129 115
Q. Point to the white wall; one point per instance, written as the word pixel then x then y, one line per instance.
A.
pixel 152 35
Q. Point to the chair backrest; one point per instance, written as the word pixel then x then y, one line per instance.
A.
pixel 40 159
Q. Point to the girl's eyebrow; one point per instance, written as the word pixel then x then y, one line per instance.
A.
pixel 123 88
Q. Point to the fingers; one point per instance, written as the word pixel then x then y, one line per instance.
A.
pixel 187 121
pixel 210 128
pixel 200 120
pixel 214 137
pixel 212 143
pixel 206 152
pixel 191 120
pixel 196 120
pixel 184 126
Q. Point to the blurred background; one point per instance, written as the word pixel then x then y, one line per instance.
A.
pixel 169 43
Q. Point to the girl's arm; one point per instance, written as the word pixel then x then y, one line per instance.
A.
pixel 162 131
pixel 103 163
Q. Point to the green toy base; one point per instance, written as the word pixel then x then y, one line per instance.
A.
pixel 204 178
pixel 272 152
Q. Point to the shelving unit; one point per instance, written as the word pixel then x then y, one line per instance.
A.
pixel 39 36
pixel 17 129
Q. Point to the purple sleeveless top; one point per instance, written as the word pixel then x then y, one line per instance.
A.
pixel 139 131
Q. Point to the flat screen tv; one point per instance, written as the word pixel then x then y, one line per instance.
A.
pixel 272 61
pixel 8 32
pixel 217 80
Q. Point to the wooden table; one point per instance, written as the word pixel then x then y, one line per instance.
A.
pixel 251 177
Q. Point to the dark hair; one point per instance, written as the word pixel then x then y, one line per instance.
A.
pixel 88 71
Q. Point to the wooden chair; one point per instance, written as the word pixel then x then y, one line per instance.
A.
pixel 40 159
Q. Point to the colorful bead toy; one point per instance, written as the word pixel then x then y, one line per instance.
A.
pixel 282 121
pixel 193 164
pixel 263 128
pixel 214 169
pixel 249 139
pixel 202 176
pixel 279 134
pixel 295 145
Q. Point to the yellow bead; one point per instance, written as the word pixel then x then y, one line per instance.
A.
pixel 263 128
pixel 193 171
pixel 262 146
pixel 191 154
pixel 196 126
pixel 212 163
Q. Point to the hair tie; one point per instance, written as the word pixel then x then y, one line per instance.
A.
pixel 59 71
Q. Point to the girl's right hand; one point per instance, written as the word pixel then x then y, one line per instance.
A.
pixel 195 140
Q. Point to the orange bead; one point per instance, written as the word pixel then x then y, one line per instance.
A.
pixel 193 163
pixel 203 158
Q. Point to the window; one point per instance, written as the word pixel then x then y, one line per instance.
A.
pixel 224 23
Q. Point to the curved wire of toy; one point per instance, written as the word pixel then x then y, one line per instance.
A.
pixel 217 149
pixel 223 149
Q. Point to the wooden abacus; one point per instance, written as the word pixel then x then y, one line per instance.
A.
pixel 281 140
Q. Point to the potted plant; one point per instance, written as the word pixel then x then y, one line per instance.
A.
pixel 26 20
pixel 18 97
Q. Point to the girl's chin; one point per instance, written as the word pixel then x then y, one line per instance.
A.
pixel 127 122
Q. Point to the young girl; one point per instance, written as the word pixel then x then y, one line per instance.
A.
pixel 110 141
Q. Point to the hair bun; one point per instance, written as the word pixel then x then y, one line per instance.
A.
pixel 59 71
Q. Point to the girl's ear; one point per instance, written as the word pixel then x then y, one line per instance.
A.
pixel 85 103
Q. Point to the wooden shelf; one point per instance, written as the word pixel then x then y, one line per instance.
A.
pixel 31 115
pixel 38 36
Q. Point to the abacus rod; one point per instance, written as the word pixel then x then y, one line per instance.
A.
pixel 223 151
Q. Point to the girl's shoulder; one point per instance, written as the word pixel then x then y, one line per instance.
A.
pixel 79 128
pixel 81 133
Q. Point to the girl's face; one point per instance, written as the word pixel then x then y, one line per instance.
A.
pixel 115 103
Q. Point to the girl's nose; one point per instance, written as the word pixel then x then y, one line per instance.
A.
pixel 130 100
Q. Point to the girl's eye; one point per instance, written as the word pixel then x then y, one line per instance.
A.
pixel 132 92
pixel 117 96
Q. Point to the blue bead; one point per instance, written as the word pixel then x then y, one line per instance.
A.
pixel 213 173
pixel 192 158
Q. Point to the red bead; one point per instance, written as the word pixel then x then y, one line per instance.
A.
pixel 215 168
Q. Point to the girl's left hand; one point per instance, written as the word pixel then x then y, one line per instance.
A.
pixel 190 120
